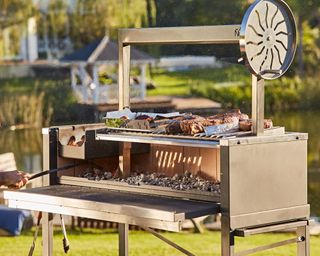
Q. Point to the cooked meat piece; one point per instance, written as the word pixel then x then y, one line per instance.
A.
pixel 144 117
pixel 245 125
pixel 173 127
pixel 243 116
pixel 187 116
pixel 191 127
pixel 268 123
pixel 162 122
pixel 215 121
pixel 230 119
pixel 185 126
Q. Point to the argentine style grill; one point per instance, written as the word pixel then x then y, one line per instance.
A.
pixel 259 177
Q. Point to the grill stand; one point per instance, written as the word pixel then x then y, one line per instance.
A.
pixel 263 209
pixel 257 105
pixel 217 34
pixel 302 238
pixel 123 239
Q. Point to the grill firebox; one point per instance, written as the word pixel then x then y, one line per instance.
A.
pixel 262 175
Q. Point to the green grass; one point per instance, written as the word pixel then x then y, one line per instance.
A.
pixel 231 86
pixel 101 242
pixel 182 82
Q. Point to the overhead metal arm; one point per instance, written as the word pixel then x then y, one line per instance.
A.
pixel 227 34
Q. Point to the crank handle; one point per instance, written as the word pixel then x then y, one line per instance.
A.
pixel 270 71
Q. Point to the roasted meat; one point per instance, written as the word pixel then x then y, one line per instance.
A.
pixel 246 125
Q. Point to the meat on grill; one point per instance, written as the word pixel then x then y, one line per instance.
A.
pixel 191 127
pixel 190 124
pixel 173 127
pixel 246 125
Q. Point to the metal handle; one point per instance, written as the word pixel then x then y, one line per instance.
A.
pixel 39 174
pixel 270 71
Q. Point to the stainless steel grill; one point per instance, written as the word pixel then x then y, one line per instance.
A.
pixel 262 174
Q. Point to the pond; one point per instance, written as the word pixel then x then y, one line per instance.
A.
pixel 27 147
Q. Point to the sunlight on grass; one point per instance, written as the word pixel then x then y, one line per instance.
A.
pixel 105 242
pixel 180 83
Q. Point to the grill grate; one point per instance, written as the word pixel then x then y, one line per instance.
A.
pixel 150 133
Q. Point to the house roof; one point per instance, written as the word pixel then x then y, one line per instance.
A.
pixel 104 50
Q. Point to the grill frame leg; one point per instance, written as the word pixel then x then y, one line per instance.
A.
pixel 47 234
pixel 303 244
pixel 227 237
pixel 123 230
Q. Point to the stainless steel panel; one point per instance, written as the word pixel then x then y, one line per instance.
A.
pixel 265 183
pixel 239 141
pixel 267 176
pixel 260 218
pixel 90 149
pixel 226 34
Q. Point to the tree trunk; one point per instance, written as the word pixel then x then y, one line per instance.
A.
pixel 155 2
pixel 149 13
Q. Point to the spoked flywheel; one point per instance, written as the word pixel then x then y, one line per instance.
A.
pixel 268 38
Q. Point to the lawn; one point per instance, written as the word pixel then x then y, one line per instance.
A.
pixel 181 82
pixel 102 242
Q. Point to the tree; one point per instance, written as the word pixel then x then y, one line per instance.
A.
pixel 304 10
pixel 92 19
pixel 53 26
pixel 15 11
pixel 13 14
pixel 199 12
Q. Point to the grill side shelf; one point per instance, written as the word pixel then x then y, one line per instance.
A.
pixel 142 189
pixel 153 211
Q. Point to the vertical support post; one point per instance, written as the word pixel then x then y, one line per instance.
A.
pixel 257 105
pixel 123 239
pixel 124 74
pixel 125 158
pixel 47 234
pixel 49 162
pixel 73 77
pixel 227 237
pixel 303 243
pixel 84 85
pixel 96 92
pixel 143 81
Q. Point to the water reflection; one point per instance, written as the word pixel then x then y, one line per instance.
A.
pixel 26 145
pixel 27 148
pixel 308 122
